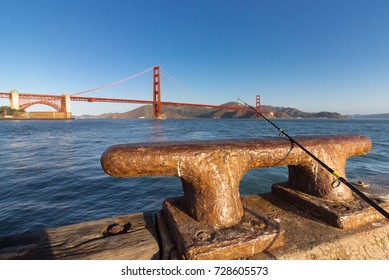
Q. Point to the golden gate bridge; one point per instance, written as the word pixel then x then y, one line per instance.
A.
pixel 61 103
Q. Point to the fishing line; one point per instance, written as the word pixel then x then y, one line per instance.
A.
pixel 333 172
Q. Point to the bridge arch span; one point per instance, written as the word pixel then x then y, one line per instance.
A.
pixel 43 102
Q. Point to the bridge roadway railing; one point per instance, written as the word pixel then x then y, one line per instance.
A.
pixel 211 171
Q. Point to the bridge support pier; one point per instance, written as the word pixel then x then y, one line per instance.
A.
pixel 14 99
pixel 65 105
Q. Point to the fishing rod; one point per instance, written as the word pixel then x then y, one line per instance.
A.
pixel 329 169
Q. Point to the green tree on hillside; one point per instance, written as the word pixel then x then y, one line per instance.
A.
pixel 8 111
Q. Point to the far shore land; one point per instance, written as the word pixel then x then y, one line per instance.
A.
pixel 171 112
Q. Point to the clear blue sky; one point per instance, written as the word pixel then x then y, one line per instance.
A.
pixel 311 55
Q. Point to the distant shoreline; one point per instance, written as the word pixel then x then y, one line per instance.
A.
pixel 34 119
pixel 174 112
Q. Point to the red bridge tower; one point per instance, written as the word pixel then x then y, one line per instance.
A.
pixel 258 105
pixel 157 112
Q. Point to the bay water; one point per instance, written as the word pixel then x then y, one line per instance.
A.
pixel 50 172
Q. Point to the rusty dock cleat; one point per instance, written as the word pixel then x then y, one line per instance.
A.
pixel 211 220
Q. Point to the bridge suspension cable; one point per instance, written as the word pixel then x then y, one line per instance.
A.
pixel 170 77
pixel 114 83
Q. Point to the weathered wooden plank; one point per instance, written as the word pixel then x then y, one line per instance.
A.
pixel 167 245
pixel 129 237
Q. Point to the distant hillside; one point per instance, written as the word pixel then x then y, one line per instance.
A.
pixel 174 112
pixel 372 116
pixel 286 112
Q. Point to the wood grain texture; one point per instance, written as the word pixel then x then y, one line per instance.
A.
pixel 126 237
